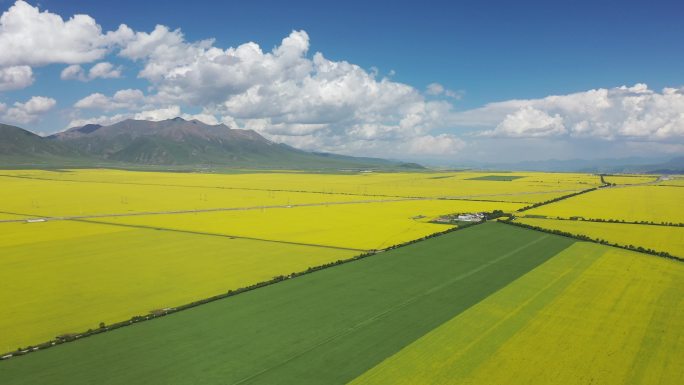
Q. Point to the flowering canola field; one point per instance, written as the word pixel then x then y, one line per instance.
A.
pixel 630 179
pixel 61 198
pixel 485 305
pixel 67 276
pixel 660 238
pixel 530 187
pixel 659 204
pixel 363 226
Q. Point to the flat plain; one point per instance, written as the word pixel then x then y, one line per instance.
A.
pixel 84 247
pixel 325 327
pixel 529 187
pixel 50 198
pixel 362 226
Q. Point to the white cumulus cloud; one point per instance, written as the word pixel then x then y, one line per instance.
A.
pixel 73 72
pixel 30 110
pixel 285 94
pixel 528 122
pixel 159 113
pixel 96 100
pixel 31 37
pixel 443 144
pixel 156 115
pixel 128 98
pixel 16 77
pixel 629 113
pixel 104 70
pixel 103 120
pixel 436 89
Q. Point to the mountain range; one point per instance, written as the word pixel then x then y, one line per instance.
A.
pixel 189 144
pixel 172 142
pixel 633 165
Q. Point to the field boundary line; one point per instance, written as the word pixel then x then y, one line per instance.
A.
pixel 586 238
pixel 560 198
pixel 19 215
pixel 209 210
pixel 606 221
pixel 201 187
pixel 485 333
pixel 145 227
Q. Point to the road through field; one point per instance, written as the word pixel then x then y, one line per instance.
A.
pixel 218 209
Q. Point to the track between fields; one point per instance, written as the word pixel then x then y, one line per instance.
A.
pixel 196 211
pixel 220 235
pixel 394 308
pixel 246 208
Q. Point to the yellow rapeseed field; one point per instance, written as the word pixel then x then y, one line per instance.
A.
pixel 64 277
pixel 55 198
pixel 660 238
pixel 67 276
pixel 5 216
pixel 636 203
pixel 591 314
pixel 362 226
pixel 631 179
pixel 530 187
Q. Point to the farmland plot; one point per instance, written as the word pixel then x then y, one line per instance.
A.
pixel 637 203
pixel 669 239
pixel 590 314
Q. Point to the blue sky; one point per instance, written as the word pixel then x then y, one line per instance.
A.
pixel 480 54
pixel 493 50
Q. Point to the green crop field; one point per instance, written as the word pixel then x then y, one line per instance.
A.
pixel 326 327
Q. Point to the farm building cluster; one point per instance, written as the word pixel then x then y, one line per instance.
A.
pixel 467 217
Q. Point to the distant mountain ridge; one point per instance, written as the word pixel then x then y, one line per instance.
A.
pixel 659 165
pixel 17 142
pixel 172 142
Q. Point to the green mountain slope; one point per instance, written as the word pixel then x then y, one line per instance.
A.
pixel 173 142
pixel 19 147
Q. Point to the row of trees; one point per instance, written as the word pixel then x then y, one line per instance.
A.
pixel 622 221
pixel 560 198
pixel 581 237
pixel 604 182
